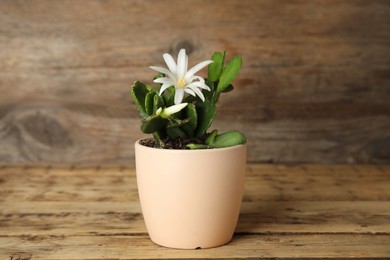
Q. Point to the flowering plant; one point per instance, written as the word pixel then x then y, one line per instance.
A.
pixel 180 110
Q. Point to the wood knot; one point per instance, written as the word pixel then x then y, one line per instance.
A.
pixel 46 130
pixel 183 44
pixel 265 114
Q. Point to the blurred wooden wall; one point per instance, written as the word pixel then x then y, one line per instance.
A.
pixel 315 86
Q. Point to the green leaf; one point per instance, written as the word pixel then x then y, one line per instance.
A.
pixel 149 88
pixel 149 102
pixel 189 131
pixel 169 96
pixel 191 120
pixel 215 68
pixel 192 115
pixel 177 122
pixel 229 139
pixel 138 94
pixel 153 124
pixel 228 88
pixel 157 103
pixel 229 73
pixel 159 75
pixel 210 138
pixel 208 95
pixel 197 146
pixel 175 132
pixel 190 99
pixel 217 93
pixel 206 113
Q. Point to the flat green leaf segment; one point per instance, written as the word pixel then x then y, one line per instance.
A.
pixel 215 68
pixel 138 93
pixel 188 123
pixel 153 124
pixel 149 100
pixel 229 73
pixel 228 139
pixel 206 111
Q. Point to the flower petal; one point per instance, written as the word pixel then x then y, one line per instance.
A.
pixel 194 84
pixel 164 87
pixel 197 68
pixel 164 71
pixel 162 80
pixel 179 94
pixel 174 109
pixel 186 68
pixel 170 62
pixel 198 85
pixel 189 91
pixel 198 78
pixel 181 63
pixel 203 85
pixel 197 91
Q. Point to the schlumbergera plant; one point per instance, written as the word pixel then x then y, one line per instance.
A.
pixel 179 111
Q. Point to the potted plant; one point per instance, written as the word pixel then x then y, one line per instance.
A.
pixel 190 180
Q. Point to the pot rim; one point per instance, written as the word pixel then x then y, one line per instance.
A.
pixel 236 147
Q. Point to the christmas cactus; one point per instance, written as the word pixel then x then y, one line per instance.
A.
pixel 179 111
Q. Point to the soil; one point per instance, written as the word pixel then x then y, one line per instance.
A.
pixel 177 144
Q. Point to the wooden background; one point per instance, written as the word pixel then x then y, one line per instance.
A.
pixel 315 86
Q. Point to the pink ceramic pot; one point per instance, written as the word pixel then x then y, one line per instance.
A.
pixel 190 198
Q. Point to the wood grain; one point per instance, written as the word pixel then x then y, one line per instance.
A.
pixel 242 247
pixel 314 86
pixel 277 217
pixel 289 212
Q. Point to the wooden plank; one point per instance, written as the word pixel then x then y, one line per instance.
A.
pixel 316 183
pixel 314 87
pixel 74 212
pixel 78 137
pixel 110 218
pixel 242 247
pixel 300 198
pixel 263 183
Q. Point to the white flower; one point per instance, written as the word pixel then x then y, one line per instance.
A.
pixel 166 112
pixel 182 79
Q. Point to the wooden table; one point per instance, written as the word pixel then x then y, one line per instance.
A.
pixel 294 211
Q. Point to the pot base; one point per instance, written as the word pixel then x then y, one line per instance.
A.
pixel 191 248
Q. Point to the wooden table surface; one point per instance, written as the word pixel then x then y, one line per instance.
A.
pixel 294 211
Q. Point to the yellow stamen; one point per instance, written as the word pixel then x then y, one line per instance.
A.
pixel 181 82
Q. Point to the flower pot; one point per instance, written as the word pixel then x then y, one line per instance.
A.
pixel 190 198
